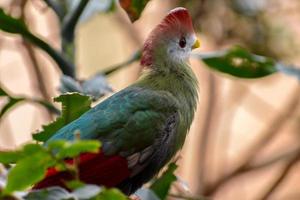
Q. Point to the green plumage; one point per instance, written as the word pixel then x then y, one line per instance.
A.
pixel 131 119
pixel 147 122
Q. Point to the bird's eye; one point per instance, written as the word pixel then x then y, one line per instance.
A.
pixel 182 42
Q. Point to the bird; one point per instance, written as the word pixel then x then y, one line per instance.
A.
pixel 142 127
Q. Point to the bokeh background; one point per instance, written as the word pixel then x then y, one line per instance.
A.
pixel 244 142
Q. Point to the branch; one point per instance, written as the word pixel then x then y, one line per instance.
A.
pixel 180 196
pixel 16 26
pixel 71 20
pixel 56 8
pixel 289 155
pixel 34 63
pixel 66 67
pixel 281 177
pixel 136 56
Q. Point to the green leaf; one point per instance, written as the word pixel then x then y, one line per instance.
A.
pixel 73 106
pixel 162 185
pixel 75 148
pixel 114 194
pixel 74 184
pixel 28 171
pixel 133 8
pixel 30 149
pixel 240 63
pixel 10 157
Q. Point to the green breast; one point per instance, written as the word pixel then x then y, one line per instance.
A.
pixel 181 82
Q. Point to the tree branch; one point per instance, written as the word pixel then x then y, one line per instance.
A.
pixel 135 57
pixel 66 67
pixel 34 63
pixel 71 20
pixel 281 177
pixel 56 8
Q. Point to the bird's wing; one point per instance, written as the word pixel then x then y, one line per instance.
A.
pixel 127 122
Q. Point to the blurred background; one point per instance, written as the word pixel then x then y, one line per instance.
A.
pixel 245 139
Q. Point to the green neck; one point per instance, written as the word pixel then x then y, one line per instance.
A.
pixel 179 80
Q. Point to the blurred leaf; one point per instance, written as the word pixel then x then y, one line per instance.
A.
pixel 114 194
pixel 133 8
pixel 146 194
pixel 289 70
pixel 96 87
pixel 57 193
pixel 73 106
pixel 51 193
pixel 28 171
pixel 74 184
pixel 30 149
pixel 86 192
pixel 94 7
pixel 10 157
pixel 16 26
pixel 248 8
pixel 240 63
pixel 57 145
pixel 162 185
pixel 68 84
pixel 73 149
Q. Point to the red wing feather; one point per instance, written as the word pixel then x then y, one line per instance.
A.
pixel 93 169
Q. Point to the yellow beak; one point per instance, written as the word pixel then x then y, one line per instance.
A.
pixel 196 44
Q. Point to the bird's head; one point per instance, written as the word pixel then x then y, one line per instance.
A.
pixel 171 40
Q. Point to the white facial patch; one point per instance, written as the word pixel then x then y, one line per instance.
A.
pixel 178 53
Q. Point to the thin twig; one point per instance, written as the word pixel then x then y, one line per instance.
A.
pixel 36 68
pixel 133 35
pixel 71 20
pixel 38 74
pixel 66 66
pixel 136 56
pixel 178 196
pixel 56 8
pixel 289 155
pixel 281 177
